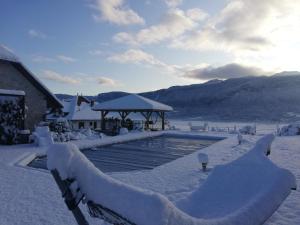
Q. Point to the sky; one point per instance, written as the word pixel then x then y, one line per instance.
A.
pixel 94 46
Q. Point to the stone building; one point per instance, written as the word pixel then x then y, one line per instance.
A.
pixel 38 99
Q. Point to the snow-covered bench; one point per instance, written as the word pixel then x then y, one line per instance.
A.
pixel 246 191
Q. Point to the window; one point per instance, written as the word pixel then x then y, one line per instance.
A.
pixel 81 125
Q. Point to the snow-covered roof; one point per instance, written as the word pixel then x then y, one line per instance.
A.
pixel 11 92
pixel 85 112
pixel 7 54
pixel 74 112
pixel 132 102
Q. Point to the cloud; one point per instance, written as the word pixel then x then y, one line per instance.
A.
pixel 174 23
pixel 42 59
pixel 105 81
pixel 37 34
pixel 116 12
pixel 65 59
pixel 232 70
pixel 173 3
pixel 137 56
pixel 54 76
pixel 96 52
pixel 248 25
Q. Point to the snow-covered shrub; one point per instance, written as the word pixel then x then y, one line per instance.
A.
pixel 60 130
pixel 42 136
pixel 12 115
pixel 123 130
pixel 290 130
pixel 248 130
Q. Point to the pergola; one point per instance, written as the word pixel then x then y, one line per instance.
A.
pixel 133 103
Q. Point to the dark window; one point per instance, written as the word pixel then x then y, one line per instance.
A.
pixel 81 125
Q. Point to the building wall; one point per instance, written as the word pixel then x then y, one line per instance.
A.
pixel 35 100
pixel 87 124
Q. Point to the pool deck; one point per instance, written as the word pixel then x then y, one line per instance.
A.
pixel 30 196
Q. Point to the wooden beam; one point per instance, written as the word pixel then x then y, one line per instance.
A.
pixel 103 114
pixel 162 120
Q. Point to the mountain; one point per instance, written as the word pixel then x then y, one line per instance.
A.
pixel 264 98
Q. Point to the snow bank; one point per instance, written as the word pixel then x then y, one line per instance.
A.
pixel 123 131
pixel 42 136
pixel 290 130
pixel 248 130
pixel 246 191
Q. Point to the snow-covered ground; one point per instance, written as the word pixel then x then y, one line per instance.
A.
pixel 30 196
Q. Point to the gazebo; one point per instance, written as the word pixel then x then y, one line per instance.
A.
pixel 133 103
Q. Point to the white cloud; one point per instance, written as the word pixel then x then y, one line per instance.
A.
pixel 173 3
pixel 37 34
pixel 96 52
pixel 175 23
pixel 105 81
pixel 54 76
pixel 65 59
pixel 194 72
pixel 232 70
pixel 42 59
pixel 196 14
pixel 115 11
pixel 246 25
pixel 137 56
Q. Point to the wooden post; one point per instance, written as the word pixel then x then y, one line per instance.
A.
pixel 147 116
pixel 163 120
pixel 103 114
pixel 123 115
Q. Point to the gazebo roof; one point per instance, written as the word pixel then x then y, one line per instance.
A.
pixel 132 102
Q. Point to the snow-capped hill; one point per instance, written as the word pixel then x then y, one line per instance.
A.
pixel 263 98
pixel 287 73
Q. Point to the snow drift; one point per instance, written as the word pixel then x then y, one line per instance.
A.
pixel 246 191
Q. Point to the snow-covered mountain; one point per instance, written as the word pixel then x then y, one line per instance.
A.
pixel 273 98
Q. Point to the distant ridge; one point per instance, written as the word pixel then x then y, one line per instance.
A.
pixel 263 98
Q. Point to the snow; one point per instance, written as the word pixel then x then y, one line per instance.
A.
pixel 290 130
pixel 30 196
pixel 248 130
pixel 203 158
pixel 7 54
pixel 11 92
pixel 84 144
pixel 123 130
pixel 131 102
pixel 258 189
pixel 42 136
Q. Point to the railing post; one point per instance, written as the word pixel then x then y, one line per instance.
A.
pixel 69 199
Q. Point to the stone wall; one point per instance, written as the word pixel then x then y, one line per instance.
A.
pixel 35 100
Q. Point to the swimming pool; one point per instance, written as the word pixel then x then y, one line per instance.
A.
pixel 140 154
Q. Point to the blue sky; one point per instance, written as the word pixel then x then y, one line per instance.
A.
pixel 94 46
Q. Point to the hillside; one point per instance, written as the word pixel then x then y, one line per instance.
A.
pixel 274 98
